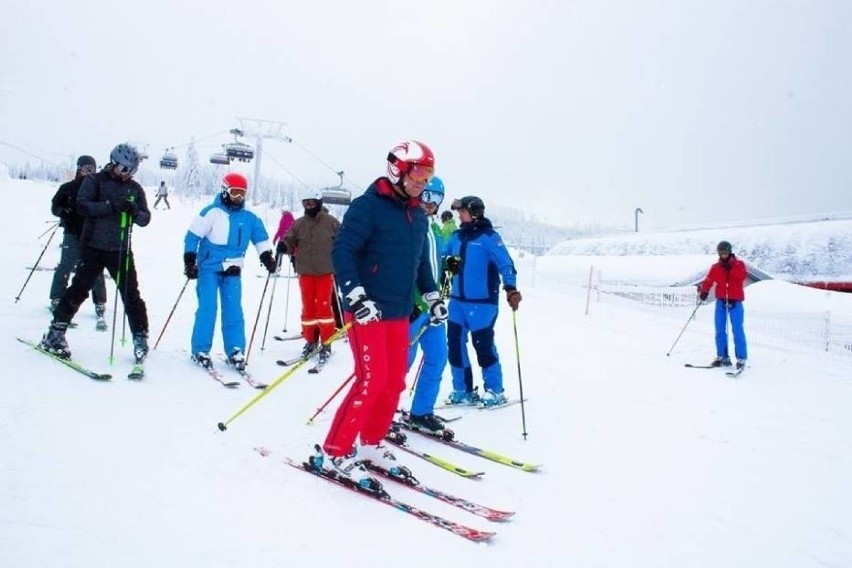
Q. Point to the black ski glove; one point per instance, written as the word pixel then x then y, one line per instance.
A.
pixel 268 261
pixel 453 264
pixel 190 269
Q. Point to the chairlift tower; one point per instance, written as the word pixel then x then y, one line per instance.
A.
pixel 261 129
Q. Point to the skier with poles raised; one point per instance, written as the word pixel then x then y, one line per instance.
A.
pixel 64 206
pixel 107 200
pixel 378 257
pixel 214 251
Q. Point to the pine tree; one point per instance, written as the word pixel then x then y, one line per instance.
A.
pixel 189 177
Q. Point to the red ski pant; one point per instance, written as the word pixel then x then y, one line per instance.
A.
pixel 381 358
pixel 317 316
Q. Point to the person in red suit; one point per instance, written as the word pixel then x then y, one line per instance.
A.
pixel 729 276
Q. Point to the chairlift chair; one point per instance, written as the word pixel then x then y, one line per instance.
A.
pixel 336 196
pixel 220 159
pixel 169 161
pixel 239 151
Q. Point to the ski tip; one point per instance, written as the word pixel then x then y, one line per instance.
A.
pixel 221 426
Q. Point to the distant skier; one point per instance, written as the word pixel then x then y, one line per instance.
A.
pixel 214 250
pixel 728 275
pixel 162 195
pixel 64 206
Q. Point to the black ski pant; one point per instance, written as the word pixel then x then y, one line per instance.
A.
pixel 163 198
pixel 122 268
pixel 70 256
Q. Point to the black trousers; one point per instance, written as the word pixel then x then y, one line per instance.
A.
pixel 71 249
pixel 122 268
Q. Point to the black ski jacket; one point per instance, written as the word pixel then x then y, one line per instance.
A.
pixel 102 228
pixel 64 206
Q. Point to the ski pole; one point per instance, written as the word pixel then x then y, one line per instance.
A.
pixel 268 314
pixel 257 319
pixel 118 281
pixel 337 335
pixel 171 313
pixel 53 225
pixel 416 377
pixel 127 254
pixel 332 397
pixel 520 381
pixel 684 328
pixel 35 266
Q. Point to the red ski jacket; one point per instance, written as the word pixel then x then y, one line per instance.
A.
pixel 729 283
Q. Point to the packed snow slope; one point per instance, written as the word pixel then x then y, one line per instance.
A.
pixel 645 463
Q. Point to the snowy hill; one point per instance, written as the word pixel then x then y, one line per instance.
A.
pixel 645 463
pixel 806 251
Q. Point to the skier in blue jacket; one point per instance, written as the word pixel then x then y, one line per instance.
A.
pixel 478 260
pixel 214 250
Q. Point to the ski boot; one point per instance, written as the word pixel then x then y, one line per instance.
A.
pixel 491 398
pixel 100 313
pixel 140 346
pixel 238 360
pixel 54 341
pixel 203 359
pixel 721 362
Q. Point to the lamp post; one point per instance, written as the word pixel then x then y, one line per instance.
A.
pixel 636 219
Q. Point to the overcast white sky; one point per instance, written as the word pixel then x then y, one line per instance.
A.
pixel 695 111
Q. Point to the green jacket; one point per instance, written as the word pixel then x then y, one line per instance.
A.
pixel 435 242
pixel 447 228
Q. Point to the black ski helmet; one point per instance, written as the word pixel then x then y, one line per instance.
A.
pixel 126 157
pixel 472 203
pixel 724 246
pixel 85 160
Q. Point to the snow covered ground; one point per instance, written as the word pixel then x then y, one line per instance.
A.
pixel 646 463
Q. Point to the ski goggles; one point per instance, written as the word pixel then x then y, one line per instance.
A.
pixel 236 193
pixel 124 171
pixel 432 197
pixel 420 173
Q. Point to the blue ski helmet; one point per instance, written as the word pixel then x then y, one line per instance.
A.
pixel 434 192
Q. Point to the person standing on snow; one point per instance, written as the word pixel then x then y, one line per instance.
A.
pixel 309 241
pixel 214 250
pixel 64 206
pixel 448 224
pixel 378 257
pixel 729 276
pixel 478 259
pixel 284 225
pixel 162 195
pixel 111 202
pixel 431 336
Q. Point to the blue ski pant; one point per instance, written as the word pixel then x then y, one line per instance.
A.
pixel 476 320
pixel 732 309
pixel 433 343
pixel 212 286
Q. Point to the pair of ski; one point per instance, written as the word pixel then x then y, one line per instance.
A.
pixel 467 448
pixel 220 378
pixel 136 373
pixel 313 370
pixel 732 374
pixel 379 494
pixel 479 405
